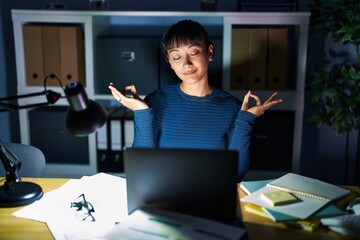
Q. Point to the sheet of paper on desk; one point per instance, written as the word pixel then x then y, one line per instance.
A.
pixel 107 195
pixel 32 211
pixel 155 224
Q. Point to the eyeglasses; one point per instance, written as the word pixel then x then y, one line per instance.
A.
pixel 83 209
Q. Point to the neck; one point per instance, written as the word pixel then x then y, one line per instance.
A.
pixel 196 90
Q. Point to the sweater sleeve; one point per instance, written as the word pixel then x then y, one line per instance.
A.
pixel 144 129
pixel 240 140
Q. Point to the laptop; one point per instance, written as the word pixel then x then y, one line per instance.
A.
pixel 202 183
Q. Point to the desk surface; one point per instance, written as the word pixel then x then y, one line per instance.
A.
pixel 257 227
pixel 19 228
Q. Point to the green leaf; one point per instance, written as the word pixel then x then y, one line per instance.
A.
pixel 337 90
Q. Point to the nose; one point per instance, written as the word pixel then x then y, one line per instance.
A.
pixel 187 61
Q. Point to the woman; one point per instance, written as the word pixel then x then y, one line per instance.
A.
pixel 192 113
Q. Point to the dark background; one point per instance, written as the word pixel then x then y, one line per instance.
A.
pixel 322 151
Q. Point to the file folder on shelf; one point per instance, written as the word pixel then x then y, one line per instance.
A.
pixel 113 138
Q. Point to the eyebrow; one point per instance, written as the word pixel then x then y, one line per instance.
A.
pixel 195 44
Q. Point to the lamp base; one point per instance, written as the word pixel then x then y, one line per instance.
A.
pixel 21 193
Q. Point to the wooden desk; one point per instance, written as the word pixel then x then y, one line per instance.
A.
pixel 12 228
pixel 258 228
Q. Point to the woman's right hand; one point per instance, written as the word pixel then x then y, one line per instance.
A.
pixel 134 103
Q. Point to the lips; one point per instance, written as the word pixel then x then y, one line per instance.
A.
pixel 190 72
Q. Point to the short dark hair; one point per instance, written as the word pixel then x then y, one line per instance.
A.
pixel 185 32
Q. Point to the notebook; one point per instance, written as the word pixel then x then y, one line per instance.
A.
pixel 249 187
pixel 202 183
pixel 308 187
pixel 313 195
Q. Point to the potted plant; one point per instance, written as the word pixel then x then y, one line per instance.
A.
pixel 337 86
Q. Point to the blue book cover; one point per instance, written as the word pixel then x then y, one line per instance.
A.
pixel 252 186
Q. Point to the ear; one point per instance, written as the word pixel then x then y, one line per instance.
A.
pixel 211 52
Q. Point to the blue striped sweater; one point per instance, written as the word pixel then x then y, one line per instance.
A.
pixel 178 120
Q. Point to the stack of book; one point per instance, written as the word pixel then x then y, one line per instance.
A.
pixel 293 199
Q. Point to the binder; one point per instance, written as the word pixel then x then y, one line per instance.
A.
pixel 33 52
pixel 115 136
pixel 240 59
pixel 277 63
pixel 72 57
pixel 258 58
pixel 51 52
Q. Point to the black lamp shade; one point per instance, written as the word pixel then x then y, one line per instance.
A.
pixel 84 116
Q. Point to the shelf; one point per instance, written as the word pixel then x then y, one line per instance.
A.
pixel 124 24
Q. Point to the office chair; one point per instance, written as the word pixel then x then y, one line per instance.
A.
pixel 33 160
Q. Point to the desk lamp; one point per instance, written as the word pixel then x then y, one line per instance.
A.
pixel 84 116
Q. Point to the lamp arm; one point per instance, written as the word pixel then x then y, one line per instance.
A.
pixel 11 165
pixel 51 98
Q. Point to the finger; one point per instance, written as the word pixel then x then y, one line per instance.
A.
pixel 114 91
pixel 125 89
pixel 246 97
pixel 245 104
pixel 272 103
pixel 112 87
pixel 119 96
pixel 257 99
pixel 135 92
pixel 272 97
pixel 132 89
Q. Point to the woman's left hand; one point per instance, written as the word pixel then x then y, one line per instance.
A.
pixel 260 108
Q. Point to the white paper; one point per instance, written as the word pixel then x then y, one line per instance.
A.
pixel 106 193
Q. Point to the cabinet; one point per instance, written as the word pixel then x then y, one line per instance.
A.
pixel 97 27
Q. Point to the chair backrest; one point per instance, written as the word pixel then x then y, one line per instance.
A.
pixel 33 160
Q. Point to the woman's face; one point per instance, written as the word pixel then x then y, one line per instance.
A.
pixel 190 61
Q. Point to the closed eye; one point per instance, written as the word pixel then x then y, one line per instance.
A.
pixel 194 53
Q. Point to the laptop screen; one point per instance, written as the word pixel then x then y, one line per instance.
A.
pixel 202 183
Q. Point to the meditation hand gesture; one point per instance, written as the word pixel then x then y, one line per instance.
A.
pixel 133 103
pixel 259 109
